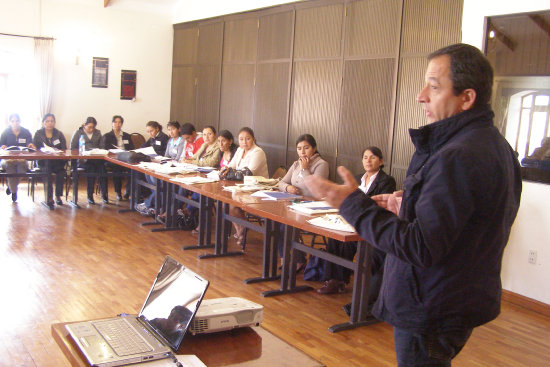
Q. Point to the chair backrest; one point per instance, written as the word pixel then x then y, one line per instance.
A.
pixel 137 139
pixel 280 172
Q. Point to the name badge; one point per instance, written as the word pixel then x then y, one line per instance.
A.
pixel 56 142
pixel 22 140
pixel 157 142
pixel 126 142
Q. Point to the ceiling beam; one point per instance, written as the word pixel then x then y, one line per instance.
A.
pixel 543 24
pixel 106 3
pixel 507 41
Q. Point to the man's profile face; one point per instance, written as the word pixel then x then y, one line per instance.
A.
pixel 437 94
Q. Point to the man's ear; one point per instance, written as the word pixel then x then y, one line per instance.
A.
pixel 468 99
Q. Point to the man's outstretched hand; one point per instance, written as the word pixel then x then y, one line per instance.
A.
pixel 332 193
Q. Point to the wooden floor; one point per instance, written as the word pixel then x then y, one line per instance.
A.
pixel 74 264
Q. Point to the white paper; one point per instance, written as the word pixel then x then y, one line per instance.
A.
pixel 96 151
pixel 146 151
pixel 193 180
pixel 313 207
pixel 332 221
pixel 47 149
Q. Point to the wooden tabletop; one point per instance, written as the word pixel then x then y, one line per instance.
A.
pixel 251 346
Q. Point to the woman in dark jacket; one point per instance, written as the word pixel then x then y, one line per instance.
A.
pixel 158 140
pixel 373 182
pixel 92 140
pixel 118 139
pixel 53 138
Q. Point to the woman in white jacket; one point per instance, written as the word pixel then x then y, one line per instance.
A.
pixel 253 157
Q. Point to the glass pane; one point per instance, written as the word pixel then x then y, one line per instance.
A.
pixel 523 131
pixel 541 100
pixel 537 131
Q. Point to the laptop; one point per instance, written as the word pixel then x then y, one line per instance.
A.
pixel 158 329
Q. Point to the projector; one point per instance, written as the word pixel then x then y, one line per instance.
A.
pixel 220 314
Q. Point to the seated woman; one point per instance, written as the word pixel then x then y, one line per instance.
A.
pixel 208 155
pixel 174 149
pixel 51 137
pixel 373 182
pixel 157 139
pixel 92 140
pixel 116 138
pixel 224 154
pixel 15 135
pixel 251 156
pixel 309 163
pixel 227 148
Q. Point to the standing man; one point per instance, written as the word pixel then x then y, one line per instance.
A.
pixel 461 195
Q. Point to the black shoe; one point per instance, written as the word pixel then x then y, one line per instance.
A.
pixel 14 197
pixel 126 195
pixel 105 199
pixel 91 201
pixel 58 201
pixel 8 191
pixel 118 196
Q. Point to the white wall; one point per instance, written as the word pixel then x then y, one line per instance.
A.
pixel 531 230
pixel 83 29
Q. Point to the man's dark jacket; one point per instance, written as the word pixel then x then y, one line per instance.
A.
pixel 444 251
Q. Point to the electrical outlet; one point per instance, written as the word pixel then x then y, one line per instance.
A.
pixel 532 257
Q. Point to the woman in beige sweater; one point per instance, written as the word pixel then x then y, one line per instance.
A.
pixel 208 154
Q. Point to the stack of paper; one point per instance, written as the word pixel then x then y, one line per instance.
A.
pixel 96 151
pixel 332 221
pixel 47 149
pixel 275 195
pixel 313 207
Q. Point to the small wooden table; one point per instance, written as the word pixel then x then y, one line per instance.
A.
pixel 251 346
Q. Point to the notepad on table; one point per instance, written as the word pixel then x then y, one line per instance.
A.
pixel 332 221
pixel 275 195
pixel 313 207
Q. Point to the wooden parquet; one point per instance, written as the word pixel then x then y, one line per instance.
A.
pixel 74 264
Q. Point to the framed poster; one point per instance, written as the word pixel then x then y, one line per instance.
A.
pixel 100 72
pixel 128 84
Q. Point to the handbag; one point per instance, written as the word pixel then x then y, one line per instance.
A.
pixel 132 157
pixel 188 222
pixel 237 174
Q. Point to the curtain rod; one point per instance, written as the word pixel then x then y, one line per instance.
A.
pixel 20 35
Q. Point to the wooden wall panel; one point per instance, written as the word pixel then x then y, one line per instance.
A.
pixel 271 112
pixel 240 41
pixel 373 28
pixel 430 24
pixel 210 44
pixel 410 114
pixel 182 104
pixel 275 36
pixel 315 106
pixel 208 96
pixel 237 97
pixel 185 45
pixel 318 32
pixel 366 110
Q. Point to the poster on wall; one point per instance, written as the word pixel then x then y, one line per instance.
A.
pixel 100 72
pixel 128 84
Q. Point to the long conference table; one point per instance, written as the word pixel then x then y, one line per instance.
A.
pixel 275 214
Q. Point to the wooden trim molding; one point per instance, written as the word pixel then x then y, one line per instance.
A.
pixel 526 302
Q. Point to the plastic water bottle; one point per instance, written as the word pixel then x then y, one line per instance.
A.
pixel 81 145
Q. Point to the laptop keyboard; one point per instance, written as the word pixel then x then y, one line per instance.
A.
pixel 122 337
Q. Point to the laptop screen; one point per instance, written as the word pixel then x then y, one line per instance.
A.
pixel 173 300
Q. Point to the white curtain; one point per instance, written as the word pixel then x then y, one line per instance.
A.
pixel 43 55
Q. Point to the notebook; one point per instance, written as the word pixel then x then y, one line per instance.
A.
pixel 158 329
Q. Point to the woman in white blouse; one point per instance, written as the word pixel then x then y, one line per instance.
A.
pixel 253 157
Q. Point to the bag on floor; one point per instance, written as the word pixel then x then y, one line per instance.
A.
pixel 188 222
